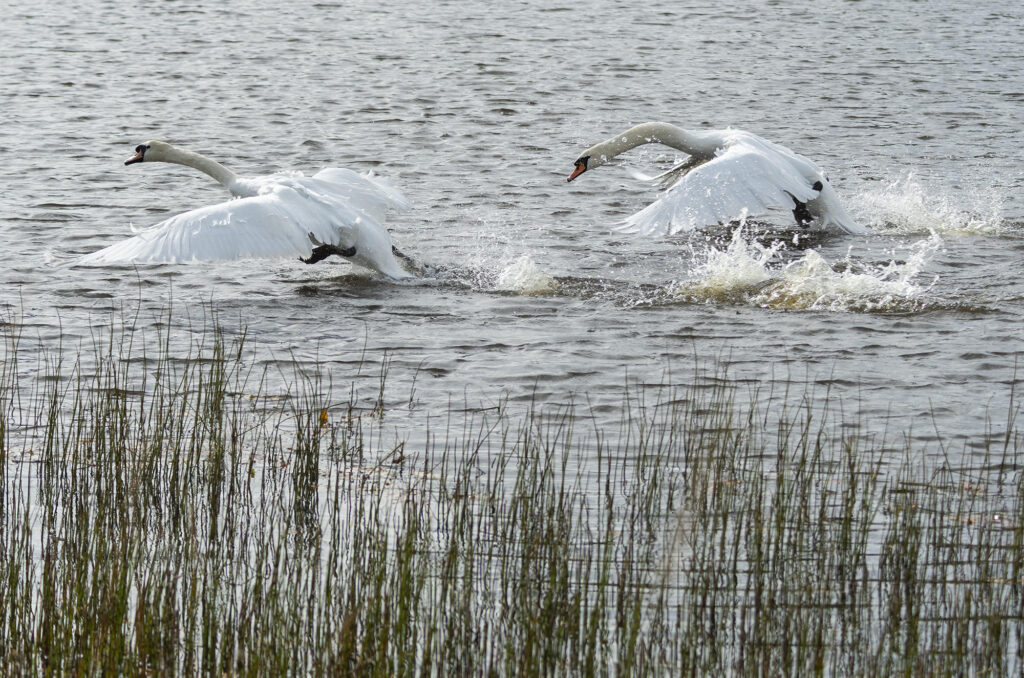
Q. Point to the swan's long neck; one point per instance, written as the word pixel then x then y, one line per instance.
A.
pixel 691 143
pixel 192 159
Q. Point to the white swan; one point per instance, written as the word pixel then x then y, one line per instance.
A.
pixel 336 211
pixel 729 175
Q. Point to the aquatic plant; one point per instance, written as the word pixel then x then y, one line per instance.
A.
pixel 163 512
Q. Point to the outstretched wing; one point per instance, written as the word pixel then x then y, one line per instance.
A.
pixel 743 180
pixel 336 206
pixel 263 226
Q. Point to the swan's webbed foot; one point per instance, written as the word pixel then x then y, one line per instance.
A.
pixel 322 251
pixel 803 216
pixel 402 255
pixel 800 213
pixel 319 254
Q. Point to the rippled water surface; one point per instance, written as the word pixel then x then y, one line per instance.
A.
pixel 477 110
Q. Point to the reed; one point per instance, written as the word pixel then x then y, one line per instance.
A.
pixel 163 513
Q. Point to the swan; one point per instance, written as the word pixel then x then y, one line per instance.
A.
pixel 336 211
pixel 730 174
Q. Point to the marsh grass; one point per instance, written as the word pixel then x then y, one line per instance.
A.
pixel 164 513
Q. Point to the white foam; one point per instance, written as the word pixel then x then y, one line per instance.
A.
pixel 742 264
pixel 813 283
pixel 906 205
pixel 747 271
pixel 525 277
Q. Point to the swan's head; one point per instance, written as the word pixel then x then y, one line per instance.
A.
pixel 580 166
pixel 151 151
pixel 589 159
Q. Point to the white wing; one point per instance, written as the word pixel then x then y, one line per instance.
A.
pixel 258 227
pixel 745 179
pixel 336 206
pixel 367 193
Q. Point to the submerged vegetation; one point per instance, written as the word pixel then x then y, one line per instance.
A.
pixel 163 513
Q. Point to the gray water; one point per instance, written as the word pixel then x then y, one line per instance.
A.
pixel 477 110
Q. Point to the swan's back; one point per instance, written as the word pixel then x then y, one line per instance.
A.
pixel 368 193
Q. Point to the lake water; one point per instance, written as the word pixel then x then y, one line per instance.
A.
pixel 477 111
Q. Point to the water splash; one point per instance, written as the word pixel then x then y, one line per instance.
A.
pixel 743 263
pixel 748 272
pixel 525 277
pixel 813 283
pixel 906 206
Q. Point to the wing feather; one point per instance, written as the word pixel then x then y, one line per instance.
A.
pixel 367 193
pixel 248 227
pixel 336 205
pixel 744 179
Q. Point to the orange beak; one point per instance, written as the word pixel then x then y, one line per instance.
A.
pixel 581 167
pixel 134 159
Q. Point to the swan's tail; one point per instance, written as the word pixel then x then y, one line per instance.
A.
pixel 388 188
pixel 832 213
pixel 847 224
